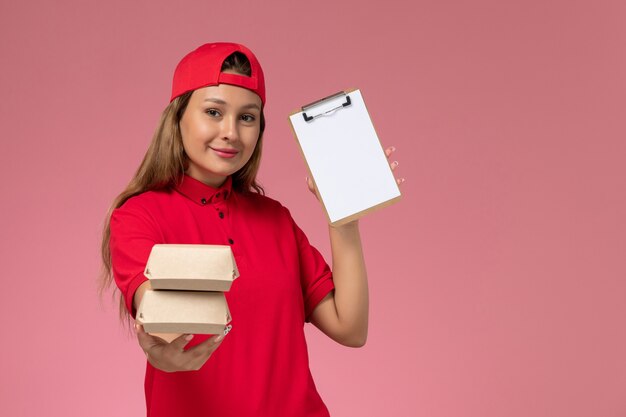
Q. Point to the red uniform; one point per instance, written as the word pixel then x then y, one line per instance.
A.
pixel 261 367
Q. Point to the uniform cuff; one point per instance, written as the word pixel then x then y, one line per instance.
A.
pixel 318 293
pixel 130 293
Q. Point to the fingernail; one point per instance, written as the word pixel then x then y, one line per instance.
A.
pixel 401 180
pixel 188 337
pixel 393 148
pixel 395 163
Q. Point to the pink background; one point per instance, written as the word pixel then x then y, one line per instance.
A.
pixel 497 283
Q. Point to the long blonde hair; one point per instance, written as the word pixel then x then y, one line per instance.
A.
pixel 164 166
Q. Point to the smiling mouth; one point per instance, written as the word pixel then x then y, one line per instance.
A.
pixel 225 153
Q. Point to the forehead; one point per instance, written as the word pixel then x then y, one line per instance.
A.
pixel 230 94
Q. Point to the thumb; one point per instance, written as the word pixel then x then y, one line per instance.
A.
pixel 144 338
pixel 146 341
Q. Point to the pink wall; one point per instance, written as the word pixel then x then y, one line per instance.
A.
pixel 497 284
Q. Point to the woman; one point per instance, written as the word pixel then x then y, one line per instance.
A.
pixel 197 185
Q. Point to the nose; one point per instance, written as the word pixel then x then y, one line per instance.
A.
pixel 230 128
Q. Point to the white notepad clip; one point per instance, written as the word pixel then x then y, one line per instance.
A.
pixel 326 100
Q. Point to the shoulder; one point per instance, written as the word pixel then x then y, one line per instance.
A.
pixel 264 204
pixel 142 207
pixel 147 200
pixel 264 210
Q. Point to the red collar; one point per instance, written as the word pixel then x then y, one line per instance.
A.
pixel 204 194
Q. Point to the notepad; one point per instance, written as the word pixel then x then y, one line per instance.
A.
pixel 344 156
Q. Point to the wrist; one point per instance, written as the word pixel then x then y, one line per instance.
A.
pixel 346 227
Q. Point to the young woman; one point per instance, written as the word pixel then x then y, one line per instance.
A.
pixel 197 185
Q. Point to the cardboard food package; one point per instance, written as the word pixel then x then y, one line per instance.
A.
pixel 178 312
pixel 191 267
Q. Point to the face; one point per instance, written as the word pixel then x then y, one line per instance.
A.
pixel 220 128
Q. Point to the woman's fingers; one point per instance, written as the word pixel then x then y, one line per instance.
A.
pixel 180 342
pixel 199 354
pixel 394 164
pixel 311 185
pixel 208 346
pixel 149 344
pixel 171 357
pixel 145 340
pixel 160 353
pixel 388 152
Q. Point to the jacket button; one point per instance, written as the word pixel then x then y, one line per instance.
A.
pixel 203 201
pixel 231 241
pixel 221 215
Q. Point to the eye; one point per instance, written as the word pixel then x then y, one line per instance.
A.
pixel 213 112
pixel 248 118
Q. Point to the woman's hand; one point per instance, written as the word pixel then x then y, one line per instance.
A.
pixel 393 166
pixel 172 357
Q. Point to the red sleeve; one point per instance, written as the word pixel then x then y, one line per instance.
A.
pixel 316 277
pixel 133 234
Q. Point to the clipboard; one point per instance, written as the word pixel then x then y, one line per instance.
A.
pixel 344 156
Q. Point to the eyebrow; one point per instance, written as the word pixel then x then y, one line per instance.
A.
pixel 246 106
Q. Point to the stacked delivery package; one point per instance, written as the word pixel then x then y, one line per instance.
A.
pixel 188 284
